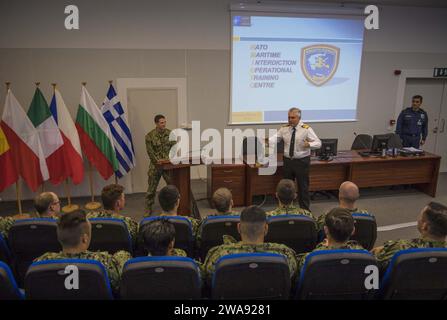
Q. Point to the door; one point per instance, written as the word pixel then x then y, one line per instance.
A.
pixel 431 91
pixel 434 93
pixel 143 106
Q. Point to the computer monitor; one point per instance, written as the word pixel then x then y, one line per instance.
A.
pixel 380 141
pixel 328 148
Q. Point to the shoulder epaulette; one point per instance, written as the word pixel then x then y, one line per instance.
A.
pixel 305 126
pixel 285 125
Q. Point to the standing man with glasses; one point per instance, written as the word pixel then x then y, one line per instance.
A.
pixel 299 139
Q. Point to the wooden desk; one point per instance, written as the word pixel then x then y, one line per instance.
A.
pixel 421 171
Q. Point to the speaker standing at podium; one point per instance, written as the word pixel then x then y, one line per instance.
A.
pixel 299 139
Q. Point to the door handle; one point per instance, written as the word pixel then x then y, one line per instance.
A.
pixel 435 130
pixel 443 126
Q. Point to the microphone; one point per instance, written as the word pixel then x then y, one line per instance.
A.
pixel 363 153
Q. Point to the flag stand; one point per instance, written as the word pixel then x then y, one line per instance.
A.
pixel 19 201
pixel 69 207
pixel 93 205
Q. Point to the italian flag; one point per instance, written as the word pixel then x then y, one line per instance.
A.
pixel 50 137
pixel 95 136
pixel 72 147
pixel 8 172
pixel 23 143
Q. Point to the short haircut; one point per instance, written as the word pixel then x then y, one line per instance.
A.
pixel 253 219
pixel 436 216
pixel 222 200
pixel 349 192
pixel 286 191
pixel 71 226
pixel 110 195
pixel 157 235
pixel 340 224
pixel 168 197
pixel 293 109
pixel 43 201
pixel 417 97
pixel 158 117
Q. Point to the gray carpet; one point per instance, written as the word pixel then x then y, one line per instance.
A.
pixel 390 206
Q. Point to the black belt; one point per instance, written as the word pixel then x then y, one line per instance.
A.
pixel 411 135
pixel 297 159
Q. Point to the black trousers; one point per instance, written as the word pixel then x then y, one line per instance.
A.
pixel 299 169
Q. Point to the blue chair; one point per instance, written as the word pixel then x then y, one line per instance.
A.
pixel 110 234
pixel 29 239
pixel 365 230
pixel 335 275
pixel 298 232
pixel 8 286
pixel 161 278
pixel 46 280
pixel 251 276
pixel 183 232
pixel 5 253
pixel 213 229
pixel 416 274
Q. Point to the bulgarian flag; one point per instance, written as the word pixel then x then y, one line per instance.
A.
pixel 50 137
pixel 24 144
pixel 8 172
pixel 73 162
pixel 94 134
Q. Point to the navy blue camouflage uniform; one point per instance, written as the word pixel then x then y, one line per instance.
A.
pixel 411 125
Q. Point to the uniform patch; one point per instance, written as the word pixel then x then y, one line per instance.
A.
pixel 319 63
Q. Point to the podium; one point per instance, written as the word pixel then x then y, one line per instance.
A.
pixel 180 175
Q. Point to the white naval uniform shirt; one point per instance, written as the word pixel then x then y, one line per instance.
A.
pixel 301 135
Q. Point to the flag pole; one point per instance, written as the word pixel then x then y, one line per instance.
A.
pixel 116 178
pixel 18 192
pixel 69 207
pixel 91 205
pixel 42 189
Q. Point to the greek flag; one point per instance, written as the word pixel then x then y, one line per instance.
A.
pixel 122 138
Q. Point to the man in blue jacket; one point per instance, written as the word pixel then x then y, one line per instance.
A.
pixel 412 124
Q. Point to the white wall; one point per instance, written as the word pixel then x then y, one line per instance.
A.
pixel 190 39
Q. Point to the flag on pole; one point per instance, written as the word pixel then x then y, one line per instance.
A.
pixel 24 143
pixel 74 165
pixel 122 138
pixel 50 137
pixel 95 137
pixel 8 172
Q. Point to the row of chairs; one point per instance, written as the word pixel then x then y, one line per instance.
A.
pixel 327 274
pixel 30 238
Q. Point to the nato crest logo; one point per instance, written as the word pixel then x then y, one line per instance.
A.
pixel 319 63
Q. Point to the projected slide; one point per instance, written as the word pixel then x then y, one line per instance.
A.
pixel 280 62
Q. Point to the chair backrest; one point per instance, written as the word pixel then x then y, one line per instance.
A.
pixel 183 232
pixel 335 275
pixel 395 141
pixel 214 228
pixel 30 238
pixel 365 230
pixel 416 274
pixel 298 232
pixel 8 286
pixel 48 280
pixel 251 276
pixel 362 141
pixel 5 253
pixel 161 278
pixel 110 234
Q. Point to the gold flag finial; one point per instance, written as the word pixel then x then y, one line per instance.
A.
pixel 84 83
pixel 37 83
pixel 110 81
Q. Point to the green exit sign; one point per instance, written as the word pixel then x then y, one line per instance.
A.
pixel 439 72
